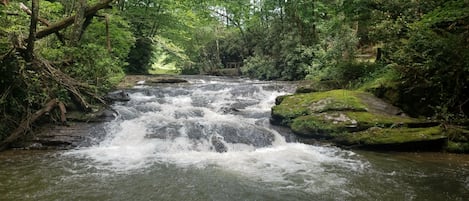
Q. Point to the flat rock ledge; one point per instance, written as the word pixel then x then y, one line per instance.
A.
pixel 359 119
pixel 58 137
pixel 132 80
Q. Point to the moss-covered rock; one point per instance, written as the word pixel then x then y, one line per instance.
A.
pixel 355 118
pixel 345 121
pixel 308 86
pixel 458 140
pixel 381 136
pixel 305 104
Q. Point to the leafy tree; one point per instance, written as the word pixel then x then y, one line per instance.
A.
pixel 435 58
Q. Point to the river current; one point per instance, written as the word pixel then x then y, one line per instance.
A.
pixel 210 139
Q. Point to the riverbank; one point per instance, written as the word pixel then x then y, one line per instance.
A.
pixel 358 119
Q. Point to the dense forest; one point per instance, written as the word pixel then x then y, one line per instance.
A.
pixel 58 55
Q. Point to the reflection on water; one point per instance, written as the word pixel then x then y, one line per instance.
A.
pixel 211 140
pixel 40 175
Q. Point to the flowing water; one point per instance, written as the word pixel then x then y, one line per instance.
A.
pixel 210 139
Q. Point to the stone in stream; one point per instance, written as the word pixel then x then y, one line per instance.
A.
pixel 218 145
pixel 77 134
pixel 120 96
pixel 358 119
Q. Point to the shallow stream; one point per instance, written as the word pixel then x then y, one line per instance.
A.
pixel 210 139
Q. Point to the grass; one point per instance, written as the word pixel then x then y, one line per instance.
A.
pixel 163 67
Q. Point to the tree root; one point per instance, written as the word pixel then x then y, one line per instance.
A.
pixel 78 90
pixel 73 86
pixel 25 125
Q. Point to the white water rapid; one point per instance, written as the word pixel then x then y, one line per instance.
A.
pixel 216 123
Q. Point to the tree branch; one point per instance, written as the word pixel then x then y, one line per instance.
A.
pixel 70 20
pixel 42 20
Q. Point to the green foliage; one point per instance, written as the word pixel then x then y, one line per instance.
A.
pixel 140 57
pixel 260 67
pixel 26 87
pixel 95 66
pixel 435 57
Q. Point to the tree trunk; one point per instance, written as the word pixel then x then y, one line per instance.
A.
pixel 42 20
pixel 29 54
pixel 108 37
pixel 79 22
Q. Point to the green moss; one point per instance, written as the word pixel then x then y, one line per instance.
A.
pixel 457 147
pixel 458 134
pixel 338 122
pixel 304 104
pixel 359 118
pixel 376 136
pixel 313 125
pixel 367 119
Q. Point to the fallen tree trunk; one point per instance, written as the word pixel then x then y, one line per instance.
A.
pixel 24 126
pixel 70 20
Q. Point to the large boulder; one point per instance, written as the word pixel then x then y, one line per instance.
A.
pixel 355 118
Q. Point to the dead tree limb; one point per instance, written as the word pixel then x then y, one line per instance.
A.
pixel 70 20
pixel 63 112
pixel 42 20
pixel 5 2
pixel 74 87
pixel 25 125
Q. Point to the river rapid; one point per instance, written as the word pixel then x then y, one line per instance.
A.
pixel 210 139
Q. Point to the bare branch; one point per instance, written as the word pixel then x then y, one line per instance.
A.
pixel 70 20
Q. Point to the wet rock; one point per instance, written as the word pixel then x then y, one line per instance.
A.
pixel 132 80
pixel 354 118
pixel 167 80
pixel 247 134
pixel 76 134
pixel 104 115
pixel 229 110
pixel 218 145
pixel 167 131
pixel 117 96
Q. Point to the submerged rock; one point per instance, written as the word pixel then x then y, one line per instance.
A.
pixel 77 134
pixel 358 119
pixel 119 96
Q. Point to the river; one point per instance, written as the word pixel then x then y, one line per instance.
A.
pixel 210 139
